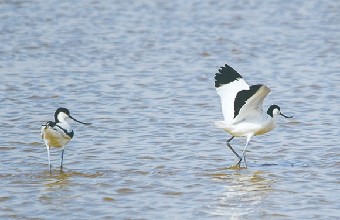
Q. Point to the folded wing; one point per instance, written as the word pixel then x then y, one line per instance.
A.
pixel 248 103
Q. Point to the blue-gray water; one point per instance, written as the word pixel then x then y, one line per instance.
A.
pixel 142 73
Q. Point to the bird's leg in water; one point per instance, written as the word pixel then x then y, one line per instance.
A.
pixel 228 144
pixel 244 151
pixel 61 159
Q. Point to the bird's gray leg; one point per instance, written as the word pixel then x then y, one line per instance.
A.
pixel 228 144
pixel 48 156
pixel 61 159
pixel 244 151
pixel 244 155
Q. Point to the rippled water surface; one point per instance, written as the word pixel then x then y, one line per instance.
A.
pixel 142 73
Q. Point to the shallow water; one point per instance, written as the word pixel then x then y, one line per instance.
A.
pixel 142 73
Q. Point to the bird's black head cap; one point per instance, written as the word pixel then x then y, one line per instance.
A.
pixel 271 109
pixel 65 110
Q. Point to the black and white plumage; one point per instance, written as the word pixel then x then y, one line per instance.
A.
pixel 58 133
pixel 242 107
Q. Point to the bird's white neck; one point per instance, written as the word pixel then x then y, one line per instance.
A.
pixel 273 120
pixel 62 117
pixel 268 124
pixel 65 125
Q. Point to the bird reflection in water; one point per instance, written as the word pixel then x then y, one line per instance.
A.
pixel 243 191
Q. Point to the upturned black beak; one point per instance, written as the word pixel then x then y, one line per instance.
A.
pixel 286 115
pixel 79 121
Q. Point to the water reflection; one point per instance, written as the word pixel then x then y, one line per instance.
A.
pixel 61 178
pixel 57 185
pixel 57 179
pixel 243 190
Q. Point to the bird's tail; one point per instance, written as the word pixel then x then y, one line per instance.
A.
pixel 220 124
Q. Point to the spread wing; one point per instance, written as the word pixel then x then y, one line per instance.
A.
pixel 248 103
pixel 229 83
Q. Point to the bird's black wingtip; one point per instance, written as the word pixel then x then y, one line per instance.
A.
pixel 226 74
